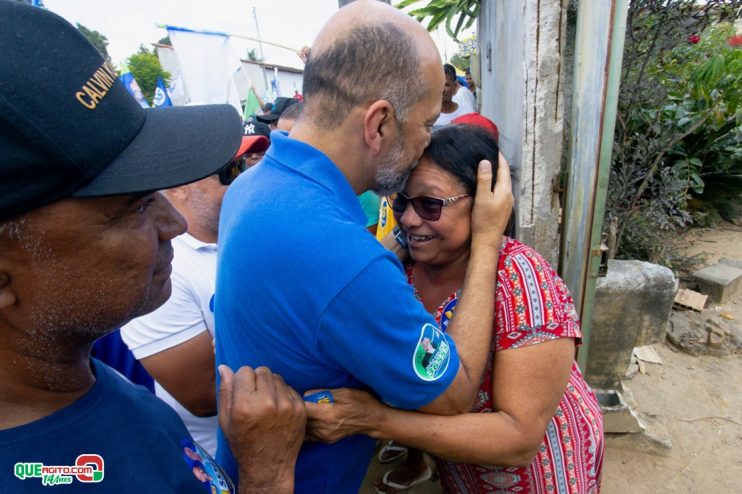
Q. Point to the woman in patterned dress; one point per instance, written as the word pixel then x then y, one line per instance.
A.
pixel 535 426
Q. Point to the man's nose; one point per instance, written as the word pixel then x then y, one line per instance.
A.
pixel 171 223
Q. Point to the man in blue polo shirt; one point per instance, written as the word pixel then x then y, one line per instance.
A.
pixel 84 248
pixel 302 286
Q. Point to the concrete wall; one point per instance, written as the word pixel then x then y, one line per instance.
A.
pixel 287 81
pixel 520 46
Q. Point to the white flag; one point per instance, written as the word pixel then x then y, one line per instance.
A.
pixel 176 91
pixel 207 66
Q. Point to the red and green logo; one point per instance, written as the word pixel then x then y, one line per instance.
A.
pixel 88 468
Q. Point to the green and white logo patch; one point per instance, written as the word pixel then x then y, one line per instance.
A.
pixel 432 354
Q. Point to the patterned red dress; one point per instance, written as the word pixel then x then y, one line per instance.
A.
pixel 533 305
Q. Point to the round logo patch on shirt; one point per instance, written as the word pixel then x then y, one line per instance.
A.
pixel 205 469
pixel 432 354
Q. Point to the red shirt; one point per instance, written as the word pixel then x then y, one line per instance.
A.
pixel 533 305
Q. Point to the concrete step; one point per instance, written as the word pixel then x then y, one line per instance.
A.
pixel 721 281
pixel 735 263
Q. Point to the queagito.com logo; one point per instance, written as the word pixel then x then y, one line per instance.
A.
pixel 88 468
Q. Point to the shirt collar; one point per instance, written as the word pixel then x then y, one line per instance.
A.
pixel 195 243
pixel 309 161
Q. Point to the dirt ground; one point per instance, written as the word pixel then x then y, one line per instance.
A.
pixel 693 402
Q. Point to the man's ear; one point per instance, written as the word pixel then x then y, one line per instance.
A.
pixel 7 296
pixel 379 125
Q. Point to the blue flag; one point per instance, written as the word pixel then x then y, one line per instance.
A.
pixel 161 97
pixel 127 78
pixel 275 90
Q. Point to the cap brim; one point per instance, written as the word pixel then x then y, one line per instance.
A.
pixel 269 118
pixel 176 145
pixel 252 144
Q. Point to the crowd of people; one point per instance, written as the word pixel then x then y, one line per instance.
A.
pixel 250 265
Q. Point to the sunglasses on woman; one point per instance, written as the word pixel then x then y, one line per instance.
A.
pixel 428 208
pixel 229 173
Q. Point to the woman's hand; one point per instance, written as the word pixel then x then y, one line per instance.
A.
pixel 492 208
pixel 353 412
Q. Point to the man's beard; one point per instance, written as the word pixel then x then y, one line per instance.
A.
pixel 390 178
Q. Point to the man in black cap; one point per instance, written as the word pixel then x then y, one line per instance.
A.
pixel 279 106
pixel 85 247
pixel 254 128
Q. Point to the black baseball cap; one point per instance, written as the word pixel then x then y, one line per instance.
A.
pixel 252 127
pixel 279 106
pixel 68 127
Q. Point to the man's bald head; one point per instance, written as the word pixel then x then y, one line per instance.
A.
pixel 365 53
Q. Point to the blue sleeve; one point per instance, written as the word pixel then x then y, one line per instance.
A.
pixel 378 331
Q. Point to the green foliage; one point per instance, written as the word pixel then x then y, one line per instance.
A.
pixel 457 14
pixel 677 147
pixel 253 56
pixel 165 41
pixel 146 68
pixel 460 62
pixel 97 39
pixel 462 59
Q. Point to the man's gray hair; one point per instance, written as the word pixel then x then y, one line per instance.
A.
pixel 369 63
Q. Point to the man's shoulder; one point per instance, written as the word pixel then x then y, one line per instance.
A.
pixel 337 248
pixel 118 391
pixel 307 268
pixel 125 426
pixel 143 409
pixel 306 222
pixel 194 266
pixel 101 407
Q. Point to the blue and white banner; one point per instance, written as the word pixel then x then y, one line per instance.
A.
pixel 208 65
pixel 161 98
pixel 127 79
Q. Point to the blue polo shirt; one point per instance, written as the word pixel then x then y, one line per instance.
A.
pixel 304 289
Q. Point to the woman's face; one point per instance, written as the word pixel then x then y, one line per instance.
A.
pixel 446 239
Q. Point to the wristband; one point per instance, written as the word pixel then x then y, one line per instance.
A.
pixel 320 397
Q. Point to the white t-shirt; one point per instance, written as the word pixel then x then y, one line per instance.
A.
pixel 466 100
pixel 446 118
pixel 185 315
